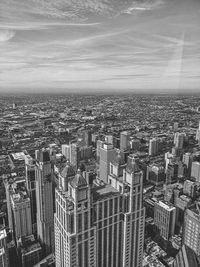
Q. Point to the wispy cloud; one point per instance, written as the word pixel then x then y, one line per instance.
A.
pixel 45 42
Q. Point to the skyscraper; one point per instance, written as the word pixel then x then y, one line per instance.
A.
pixel 179 139
pixel 156 174
pixel 96 225
pixel 21 211
pixel 153 147
pixel 66 151
pixel 31 187
pixel 187 160
pixel 44 200
pixel 124 140
pixel 198 134
pixel 164 218
pixel 195 172
pixel 87 137
pixel 191 229
pixel 107 154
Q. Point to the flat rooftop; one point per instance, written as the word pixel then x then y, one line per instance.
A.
pixel 103 192
pixel 166 206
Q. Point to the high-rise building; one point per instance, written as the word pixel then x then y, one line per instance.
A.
pixel 191 229
pixel 187 160
pixel 190 189
pixel 98 147
pixel 165 218
pixel 107 154
pixel 153 147
pixel 179 139
pixel 31 187
pixel 109 139
pixel 21 210
pixel 124 140
pixel 198 134
pixel 74 154
pixel 135 144
pixel 87 137
pixel 156 174
pixel 195 172
pixel 172 173
pixel 100 225
pixel 30 251
pixel 44 200
pixel 66 151
pixel 169 159
pixel 4 262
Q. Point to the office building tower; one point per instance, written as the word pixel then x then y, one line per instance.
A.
pixel 177 152
pixel 99 145
pixel 109 139
pixel 198 134
pixel 4 262
pixel 182 170
pixel 182 202
pixel 85 153
pixel 169 158
pixel 74 154
pixel 165 218
pixel 187 160
pixel 153 147
pixel 107 154
pixel 191 229
pixel 172 173
pixel 66 151
pixel 135 144
pixel 44 200
pixel 190 189
pixel 155 174
pixel 195 172
pixel 87 137
pixel 21 210
pixel 7 183
pixel 30 251
pixel 31 188
pixel 124 140
pixel 179 139
pixel 94 139
pixel 99 226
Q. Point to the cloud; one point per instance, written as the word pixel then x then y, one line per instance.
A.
pixel 6 35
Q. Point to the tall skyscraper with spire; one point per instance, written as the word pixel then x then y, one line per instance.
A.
pixel 100 225
pixel 44 200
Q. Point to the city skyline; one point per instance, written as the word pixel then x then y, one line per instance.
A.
pixel 105 46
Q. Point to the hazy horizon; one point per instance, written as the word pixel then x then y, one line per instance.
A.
pixel 100 46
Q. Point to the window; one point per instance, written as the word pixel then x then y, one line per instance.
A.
pixel 111 169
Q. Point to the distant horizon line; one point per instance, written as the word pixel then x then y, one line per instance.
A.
pixel 101 92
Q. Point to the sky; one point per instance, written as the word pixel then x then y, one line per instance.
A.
pixel 100 45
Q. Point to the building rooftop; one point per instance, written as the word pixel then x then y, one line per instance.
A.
pixel 105 191
pixel 78 180
pixel 166 206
